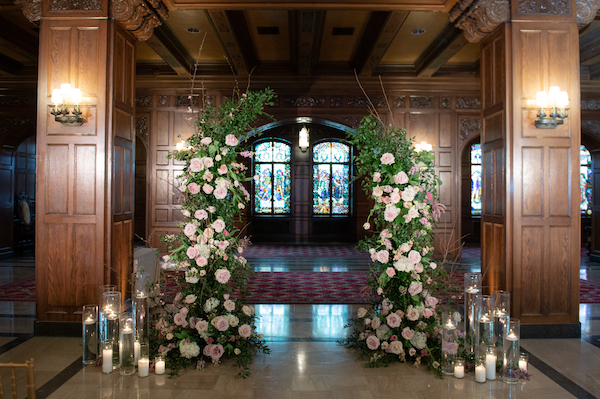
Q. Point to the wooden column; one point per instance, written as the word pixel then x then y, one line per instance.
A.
pixel 84 173
pixel 530 219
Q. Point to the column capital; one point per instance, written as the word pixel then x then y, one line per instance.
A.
pixel 478 18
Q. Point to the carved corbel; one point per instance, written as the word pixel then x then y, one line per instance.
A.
pixel 140 17
pixel 32 9
pixel 477 18
pixel 586 11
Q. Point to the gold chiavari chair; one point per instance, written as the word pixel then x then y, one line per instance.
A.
pixel 29 367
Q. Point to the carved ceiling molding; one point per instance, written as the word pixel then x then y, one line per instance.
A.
pixel 32 9
pixel 586 11
pixel 556 7
pixel 75 5
pixel 478 18
pixel 591 127
pixel 139 17
pixel 469 128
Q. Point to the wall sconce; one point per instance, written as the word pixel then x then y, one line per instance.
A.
pixel 60 111
pixel 303 139
pixel 423 147
pixel 182 145
pixel 557 101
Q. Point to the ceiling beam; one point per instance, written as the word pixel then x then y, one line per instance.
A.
pixel 444 46
pixel 17 40
pixel 232 30
pixel 166 44
pixel 9 65
pixel 589 48
pixel 388 5
pixel 306 33
pixel 381 30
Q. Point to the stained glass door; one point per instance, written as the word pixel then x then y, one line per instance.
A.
pixel 272 178
pixel 331 178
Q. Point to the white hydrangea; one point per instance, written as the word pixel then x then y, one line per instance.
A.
pixel 210 304
pixel 382 331
pixel 191 275
pixel 419 340
pixel 189 350
pixel 233 320
pixel 404 265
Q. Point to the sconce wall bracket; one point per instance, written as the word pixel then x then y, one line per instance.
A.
pixel 62 115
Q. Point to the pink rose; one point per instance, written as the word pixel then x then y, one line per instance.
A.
pixel 396 347
pixel 377 191
pixel 245 331
pixel 191 252
pixel 413 314
pixel 222 276
pixel 189 229
pixel 375 323
pixel 391 213
pixel 220 192
pixel 405 247
pixel 201 261
pixel 395 197
pixel 208 349
pixel 229 305
pixel 207 188
pixel 407 333
pixel 393 320
pixel 193 188
pixel 415 288
pixel 431 301
pixel 391 272
pixel 179 319
pixel 208 162
pixel 218 225
pixel 387 159
pixel 196 165
pixel 222 170
pixel 383 256
pixel 201 214
pixel 221 323
pixel 419 268
pixel 414 257
pixel 401 178
pixel 372 342
pixel 427 313
pixel 376 177
pixel 206 140
pixel 216 352
pixel 231 140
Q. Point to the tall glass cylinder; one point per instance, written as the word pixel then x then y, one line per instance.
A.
pixel 111 309
pixel 484 324
pixel 144 361
pixel 501 303
pixel 126 351
pixel 90 333
pixel 472 288
pixel 512 350
pixel 141 283
pixel 101 319
pixel 450 322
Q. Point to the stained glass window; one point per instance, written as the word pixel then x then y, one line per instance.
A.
pixel 331 178
pixel 585 181
pixel 476 179
pixel 273 178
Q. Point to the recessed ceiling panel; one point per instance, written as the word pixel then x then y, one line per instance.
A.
pixel 181 21
pixel 144 53
pixel 470 53
pixel 270 46
pixel 406 47
pixel 337 48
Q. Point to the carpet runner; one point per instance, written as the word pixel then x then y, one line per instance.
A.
pixel 293 288
pixel 305 251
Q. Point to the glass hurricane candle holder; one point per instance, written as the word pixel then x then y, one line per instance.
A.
pixel 101 319
pixel 144 360
pixel 126 344
pixel 501 307
pixel 90 333
pixel 450 320
pixel 480 370
pixel 491 360
pixel 141 308
pixel 523 361
pixel 107 355
pixel 510 371
pixel 159 365
pixel 472 288
pixel 111 309
pixel 459 367
pixel 484 324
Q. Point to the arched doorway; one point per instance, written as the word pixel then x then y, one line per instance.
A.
pixel 304 219
pixel 470 196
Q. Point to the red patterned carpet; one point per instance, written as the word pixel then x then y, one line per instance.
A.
pixel 305 251
pixel 288 288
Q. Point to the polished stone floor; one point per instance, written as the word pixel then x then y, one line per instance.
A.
pixel 305 360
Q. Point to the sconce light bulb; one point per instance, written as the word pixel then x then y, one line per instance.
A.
pixel 553 95
pixel 541 99
pixel 76 96
pixel 563 99
pixel 303 140
pixel 65 89
pixel 56 97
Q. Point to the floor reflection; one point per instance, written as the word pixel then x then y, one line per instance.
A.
pixel 329 320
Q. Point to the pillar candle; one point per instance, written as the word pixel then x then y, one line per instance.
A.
pixel 490 367
pixel 159 367
pixel 107 366
pixel 459 371
pixel 143 365
pixel 136 352
pixel 480 373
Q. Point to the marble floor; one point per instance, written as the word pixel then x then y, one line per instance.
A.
pixel 305 360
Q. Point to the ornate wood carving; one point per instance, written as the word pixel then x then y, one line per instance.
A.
pixel 469 128
pixel 559 7
pixel 139 17
pixel 143 101
pixel 141 129
pixel 445 102
pixel 336 101
pixel 421 102
pixel 351 121
pixel 32 9
pixel 590 105
pixel 186 101
pixel 304 101
pixel 468 103
pixel 591 127
pixel 399 102
pixel 68 5
pixel 478 18
pixel 586 11
pixel 163 101
pixel 377 102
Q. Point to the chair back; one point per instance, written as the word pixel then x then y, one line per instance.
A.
pixel 30 372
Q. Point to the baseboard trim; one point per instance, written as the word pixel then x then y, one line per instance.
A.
pixel 537 331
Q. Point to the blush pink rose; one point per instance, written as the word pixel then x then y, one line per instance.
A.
pixel 207 188
pixel 218 225
pixel 206 140
pixel 395 197
pixel 222 276
pixel 201 214
pixel 201 261
pixel 221 323
pixel 393 320
pixel 377 191
pixel 401 178
pixel 415 288
pixel 407 333
pixel 419 268
pixel 414 257
pixel 396 347
pixel 229 305
pixel 376 322
pixel 427 313
pixel 245 331
pixel 413 314
pixel 383 256
pixel 196 165
pixel 193 188
pixel 191 252
pixel 387 159
pixel 391 213
pixel 208 162
pixel 222 170
pixel 201 325
pixel 431 301
pixel 189 229
pixel 208 349
pixel 179 319
pixel 220 192
pixel 391 272
pixel 231 140
pixel 372 342
pixel 216 352
pixel 405 247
